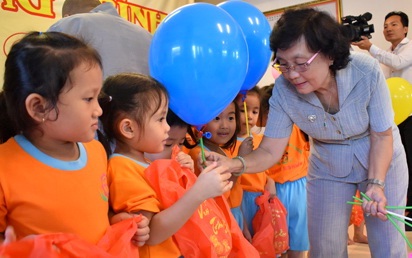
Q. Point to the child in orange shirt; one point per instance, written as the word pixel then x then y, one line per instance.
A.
pixel 177 138
pixel 136 118
pixel 290 177
pixel 253 185
pixel 358 221
pixel 52 172
pixel 223 130
pixel 213 213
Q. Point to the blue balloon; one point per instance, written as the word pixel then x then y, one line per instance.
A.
pixel 256 29
pixel 200 54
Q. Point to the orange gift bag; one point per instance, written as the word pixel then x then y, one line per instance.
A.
pixel 271 237
pixel 115 243
pixel 209 232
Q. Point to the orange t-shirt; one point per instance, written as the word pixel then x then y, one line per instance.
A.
pixel 294 163
pixel 235 195
pixel 40 194
pixel 252 182
pixel 131 192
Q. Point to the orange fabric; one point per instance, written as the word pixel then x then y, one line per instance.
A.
pixel 357 216
pixel 253 182
pixel 270 225
pixel 115 243
pixel 294 163
pixel 235 195
pixel 36 198
pixel 208 233
pixel 130 192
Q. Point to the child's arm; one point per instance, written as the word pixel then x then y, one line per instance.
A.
pixel 212 182
pixel 246 232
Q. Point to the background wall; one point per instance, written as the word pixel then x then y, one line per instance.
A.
pixel 378 9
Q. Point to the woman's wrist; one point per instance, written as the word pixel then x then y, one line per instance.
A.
pixel 242 166
pixel 376 182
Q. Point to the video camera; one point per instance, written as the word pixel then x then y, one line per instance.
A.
pixel 357 26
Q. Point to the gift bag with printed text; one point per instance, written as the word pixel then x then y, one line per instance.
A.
pixel 270 227
pixel 209 231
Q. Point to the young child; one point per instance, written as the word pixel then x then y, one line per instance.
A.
pixel 52 172
pixel 211 213
pixel 290 177
pixel 357 219
pixel 223 130
pixel 177 138
pixel 253 185
pixel 136 118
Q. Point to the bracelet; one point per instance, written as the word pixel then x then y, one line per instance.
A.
pixel 242 160
pixel 374 181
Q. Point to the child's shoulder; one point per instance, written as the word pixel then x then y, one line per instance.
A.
pixel 95 149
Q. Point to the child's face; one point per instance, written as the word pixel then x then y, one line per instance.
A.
pixel 253 108
pixel 223 126
pixel 177 136
pixel 78 107
pixel 155 132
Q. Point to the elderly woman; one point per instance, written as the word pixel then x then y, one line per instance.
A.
pixel 341 100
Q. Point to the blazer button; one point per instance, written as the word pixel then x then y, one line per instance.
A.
pixel 338 132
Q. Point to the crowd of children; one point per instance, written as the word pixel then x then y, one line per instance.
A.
pixel 55 177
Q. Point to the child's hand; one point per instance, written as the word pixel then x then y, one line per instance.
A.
pixel 246 146
pixel 143 230
pixel 246 232
pixel 270 187
pixel 9 236
pixel 213 181
pixel 142 233
pixel 185 160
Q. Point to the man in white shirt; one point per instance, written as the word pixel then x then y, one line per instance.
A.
pixel 396 62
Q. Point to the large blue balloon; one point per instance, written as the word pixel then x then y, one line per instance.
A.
pixel 200 54
pixel 256 29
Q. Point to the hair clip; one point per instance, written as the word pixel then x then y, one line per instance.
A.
pixel 103 98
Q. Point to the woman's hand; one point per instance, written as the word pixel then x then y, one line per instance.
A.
pixel 212 157
pixel 213 181
pixel 376 206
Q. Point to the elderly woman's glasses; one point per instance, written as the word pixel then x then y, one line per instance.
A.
pixel 297 67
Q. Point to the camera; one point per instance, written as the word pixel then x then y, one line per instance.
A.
pixel 356 26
